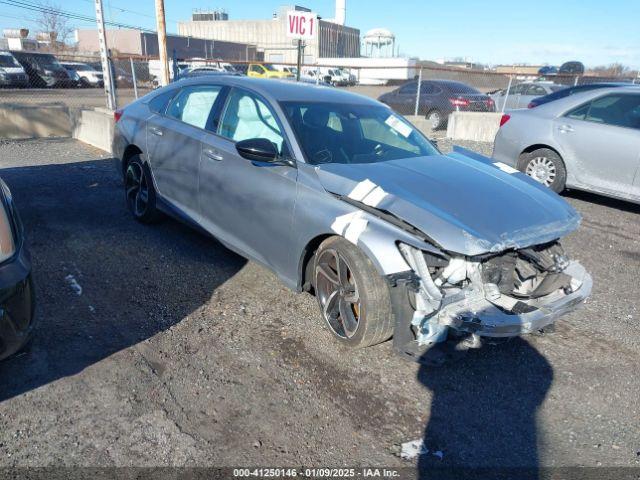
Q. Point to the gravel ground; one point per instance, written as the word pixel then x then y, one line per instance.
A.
pixel 180 353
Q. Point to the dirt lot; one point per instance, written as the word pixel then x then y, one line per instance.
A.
pixel 178 352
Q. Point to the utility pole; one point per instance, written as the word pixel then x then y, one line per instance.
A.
pixel 104 58
pixel 162 42
pixel 299 59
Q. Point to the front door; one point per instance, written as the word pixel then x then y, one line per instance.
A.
pixel 248 204
pixel 601 139
pixel 174 143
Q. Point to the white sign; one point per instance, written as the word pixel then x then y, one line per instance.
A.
pixel 302 25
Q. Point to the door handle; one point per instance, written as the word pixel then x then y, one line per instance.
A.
pixel 213 154
pixel 565 128
pixel 155 131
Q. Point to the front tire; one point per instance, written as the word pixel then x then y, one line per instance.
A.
pixel 354 299
pixel 545 166
pixel 139 192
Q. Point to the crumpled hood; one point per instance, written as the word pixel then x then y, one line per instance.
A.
pixel 461 201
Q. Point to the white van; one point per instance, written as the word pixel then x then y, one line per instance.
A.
pixel 12 74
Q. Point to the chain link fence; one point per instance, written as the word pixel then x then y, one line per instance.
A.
pixel 73 82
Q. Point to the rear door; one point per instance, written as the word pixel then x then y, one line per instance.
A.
pixel 246 203
pixel 174 142
pixel 601 141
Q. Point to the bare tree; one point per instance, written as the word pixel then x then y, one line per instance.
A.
pixel 54 22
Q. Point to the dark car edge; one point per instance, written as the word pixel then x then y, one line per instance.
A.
pixel 17 301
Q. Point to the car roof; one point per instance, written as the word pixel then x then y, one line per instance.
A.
pixel 286 90
pixel 580 97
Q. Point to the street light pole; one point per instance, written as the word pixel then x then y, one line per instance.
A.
pixel 162 42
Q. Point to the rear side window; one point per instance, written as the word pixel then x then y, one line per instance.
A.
pixel 410 88
pixel 159 103
pixel 193 104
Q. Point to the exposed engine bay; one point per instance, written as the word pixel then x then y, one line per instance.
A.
pixel 497 295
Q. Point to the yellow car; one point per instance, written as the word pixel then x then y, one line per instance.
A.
pixel 266 70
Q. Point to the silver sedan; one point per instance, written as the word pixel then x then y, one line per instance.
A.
pixel 341 197
pixel 588 141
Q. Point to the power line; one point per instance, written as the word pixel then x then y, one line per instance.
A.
pixel 67 14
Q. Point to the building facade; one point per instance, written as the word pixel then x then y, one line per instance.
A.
pixel 269 37
pixel 145 44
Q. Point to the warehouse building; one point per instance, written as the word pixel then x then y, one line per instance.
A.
pixel 128 41
pixel 334 38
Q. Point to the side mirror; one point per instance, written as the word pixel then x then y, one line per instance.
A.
pixel 258 150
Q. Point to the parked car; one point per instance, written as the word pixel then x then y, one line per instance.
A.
pixel 438 98
pixel 565 92
pixel 199 71
pixel 548 70
pixel 16 288
pixel 43 70
pixel 12 74
pixel 87 76
pixel 571 68
pixel 392 236
pixel 519 96
pixel 266 70
pixel 588 141
pixel 122 78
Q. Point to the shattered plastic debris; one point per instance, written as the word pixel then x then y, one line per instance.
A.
pixel 73 283
pixel 413 449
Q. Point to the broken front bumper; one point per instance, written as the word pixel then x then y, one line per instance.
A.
pixel 479 314
pixel 487 319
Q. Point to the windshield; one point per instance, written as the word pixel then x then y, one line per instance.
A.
pixel 47 61
pixel 343 133
pixel 8 61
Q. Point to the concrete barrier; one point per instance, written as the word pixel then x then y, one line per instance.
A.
pixel 34 121
pixel 421 123
pixel 94 127
pixel 476 126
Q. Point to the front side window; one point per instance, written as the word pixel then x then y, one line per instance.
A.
pixel 343 133
pixel 193 105
pixel 620 110
pixel 247 116
pixel 8 61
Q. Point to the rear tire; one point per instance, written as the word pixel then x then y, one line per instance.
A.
pixel 435 119
pixel 140 193
pixel 545 166
pixel 354 299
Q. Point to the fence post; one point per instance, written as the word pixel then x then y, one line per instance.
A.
pixel 506 95
pixel 418 92
pixel 576 81
pixel 133 77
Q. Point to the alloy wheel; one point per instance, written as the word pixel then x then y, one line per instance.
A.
pixel 542 169
pixel 338 294
pixel 434 119
pixel 137 189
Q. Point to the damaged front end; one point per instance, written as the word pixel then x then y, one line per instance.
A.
pixel 505 294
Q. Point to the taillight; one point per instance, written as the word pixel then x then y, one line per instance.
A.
pixel 459 102
pixel 117 114
pixel 532 105
pixel 504 119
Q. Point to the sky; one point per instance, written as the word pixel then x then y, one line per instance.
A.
pixel 596 32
